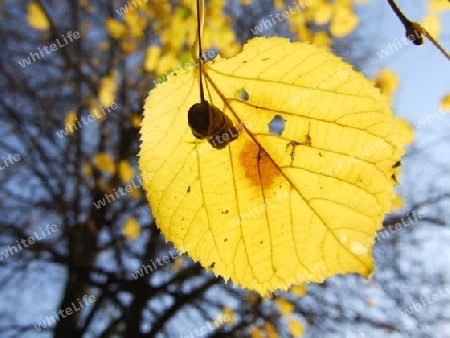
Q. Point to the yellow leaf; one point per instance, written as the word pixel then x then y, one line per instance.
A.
pixel 257 332
pixel 135 120
pixel 71 119
pixel 36 17
pixel 125 171
pixel 387 81
pixel 439 5
pixel 267 209
pixel 131 228
pixel 432 23
pixel 322 39
pixel 270 330
pixel 285 306
pixel 107 91
pixel 344 22
pixel 397 203
pixel 295 328
pixel 115 28
pixel 87 170
pixel 229 313
pixel 95 110
pixel 135 193
pixel 104 162
pixel 323 14
pixel 299 290
pixel 152 57
pixel 445 103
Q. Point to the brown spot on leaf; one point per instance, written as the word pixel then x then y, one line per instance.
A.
pixel 259 168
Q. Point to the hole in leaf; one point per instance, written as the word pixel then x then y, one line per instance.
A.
pixel 241 94
pixel 276 126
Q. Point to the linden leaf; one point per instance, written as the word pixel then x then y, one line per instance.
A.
pixel 267 210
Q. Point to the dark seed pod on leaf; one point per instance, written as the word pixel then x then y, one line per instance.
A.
pixel 209 122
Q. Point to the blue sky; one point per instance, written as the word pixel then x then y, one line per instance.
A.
pixel 423 71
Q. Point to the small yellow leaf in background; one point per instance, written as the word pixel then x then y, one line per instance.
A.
pixel 323 14
pixel 271 210
pixel 271 331
pixel 135 120
pixel 439 5
pixel 104 162
pixel 115 28
pixel 87 170
pixel 299 290
pixel 344 22
pixel 95 110
pixel 152 57
pixel 397 202
pixel 135 193
pixel 107 91
pixel 296 328
pixel 131 228
pixel 285 306
pixel 387 81
pixel 445 103
pixel 257 332
pixel 322 39
pixel 71 119
pixel 125 170
pixel 230 313
pixel 36 17
pixel 432 23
